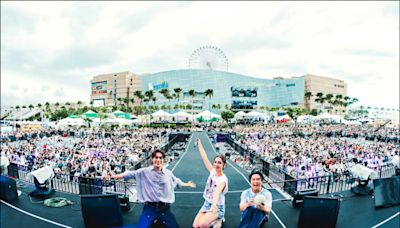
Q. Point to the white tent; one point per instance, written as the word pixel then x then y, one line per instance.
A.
pixel 255 114
pixel 328 116
pixel 71 121
pixel 182 116
pixel 207 115
pixel 304 118
pixel 161 115
pixel 240 115
pixel 283 119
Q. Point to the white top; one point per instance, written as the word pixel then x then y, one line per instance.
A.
pixel 248 194
pixel 212 182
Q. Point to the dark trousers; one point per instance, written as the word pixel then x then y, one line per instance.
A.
pixel 252 218
pixel 157 211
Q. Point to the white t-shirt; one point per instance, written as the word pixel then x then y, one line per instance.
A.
pixel 248 194
pixel 212 182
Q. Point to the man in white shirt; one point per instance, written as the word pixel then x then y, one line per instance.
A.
pixel 255 214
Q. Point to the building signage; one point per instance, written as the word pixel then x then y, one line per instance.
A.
pixel 158 86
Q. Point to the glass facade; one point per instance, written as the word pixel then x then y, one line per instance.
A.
pixel 229 88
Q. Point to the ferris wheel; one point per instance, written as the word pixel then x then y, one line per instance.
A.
pixel 208 57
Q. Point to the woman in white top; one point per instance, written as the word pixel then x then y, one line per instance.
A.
pixel 214 192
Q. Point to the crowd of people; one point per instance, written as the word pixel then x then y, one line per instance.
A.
pixel 88 155
pixel 310 151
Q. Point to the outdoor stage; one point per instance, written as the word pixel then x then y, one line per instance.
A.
pixel 355 211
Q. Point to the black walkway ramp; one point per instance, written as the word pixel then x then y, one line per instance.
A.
pixel 191 167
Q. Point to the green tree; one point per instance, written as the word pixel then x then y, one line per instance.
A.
pixel 139 95
pixel 328 98
pixel 209 93
pixel 227 115
pixel 320 99
pixel 192 93
pixel 307 96
pixel 177 93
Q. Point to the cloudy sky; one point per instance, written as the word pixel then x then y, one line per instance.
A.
pixel 51 50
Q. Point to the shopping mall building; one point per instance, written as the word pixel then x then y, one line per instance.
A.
pixel 236 90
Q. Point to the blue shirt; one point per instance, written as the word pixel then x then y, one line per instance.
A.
pixel 153 185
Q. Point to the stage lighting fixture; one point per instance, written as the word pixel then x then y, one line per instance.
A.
pixel 41 179
pixel 4 163
pixel 362 175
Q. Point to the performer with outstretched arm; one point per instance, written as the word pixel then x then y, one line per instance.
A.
pixel 155 188
pixel 214 192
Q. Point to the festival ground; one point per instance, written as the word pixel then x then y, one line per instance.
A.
pixel 355 211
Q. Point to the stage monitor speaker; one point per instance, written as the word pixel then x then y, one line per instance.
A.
pixel 397 172
pixel 13 170
pixel 8 189
pixel 299 196
pixel 101 210
pixel 387 191
pixel 89 186
pixel 319 212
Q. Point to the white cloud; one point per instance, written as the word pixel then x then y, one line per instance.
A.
pixel 353 41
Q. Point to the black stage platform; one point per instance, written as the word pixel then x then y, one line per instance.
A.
pixel 355 211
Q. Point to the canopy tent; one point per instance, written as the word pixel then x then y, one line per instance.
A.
pixel 329 117
pixel 207 115
pixel 240 115
pixel 121 114
pixel 182 116
pixel 90 114
pixel 304 118
pixel 283 119
pixel 73 116
pixel 71 121
pixel 161 115
pixel 255 114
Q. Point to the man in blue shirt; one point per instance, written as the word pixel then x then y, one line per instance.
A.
pixel 155 188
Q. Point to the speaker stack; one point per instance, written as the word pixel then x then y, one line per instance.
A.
pixel 8 189
pixel 101 210
pixel 299 196
pixel 319 212
pixel 387 191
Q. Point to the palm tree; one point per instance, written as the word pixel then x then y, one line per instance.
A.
pixel 165 93
pixel 139 95
pixel 209 93
pixel 132 100
pixel 320 99
pixel 307 96
pixel 192 93
pixel 79 103
pixel 119 99
pixel 57 104
pixel 149 94
pixel 177 93
pixel 328 98
pixel 126 101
